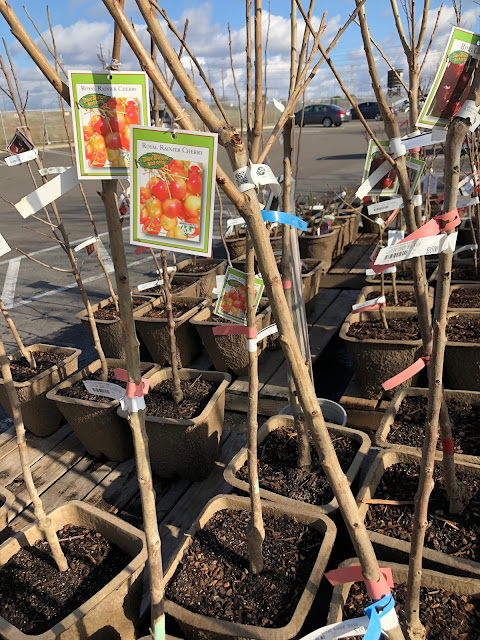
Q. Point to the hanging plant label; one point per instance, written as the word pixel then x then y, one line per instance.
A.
pixel 47 193
pixel 172 178
pixel 19 143
pixel 4 246
pixel 104 106
pixel 106 389
pixel 429 246
pixel 232 301
pixel 20 158
pixel 387 182
pixel 452 82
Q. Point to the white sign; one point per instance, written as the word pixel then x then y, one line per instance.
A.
pixel 394 236
pixel 4 247
pixel 371 272
pixel 85 243
pixel 387 205
pixel 149 285
pixel 47 193
pixel 431 245
pixel 47 171
pixel 106 389
pixel 369 303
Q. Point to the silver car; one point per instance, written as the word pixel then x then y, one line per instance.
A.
pixel 326 114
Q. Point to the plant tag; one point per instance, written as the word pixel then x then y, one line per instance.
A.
pixel 185 223
pixel 262 175
pixel 219 280
pixel 278 105
pixel 47 193
pixel 467 202
pixel 148 285
pixel 268 331
pixel 429 184
pixel 20 158
pixel 90 242
pixel 370 272
pixel 375 178
pixel 417 200
pixel 4 246
pixel 374 303
pixel 466 247
pixel 104 105
pixel 106 389
pixel 243 179
pixel 387 205
pixel 232 222
pixel 468 110
pixel 394 236
pixel 47 171
pixel 428 246
pixel 232 300
pixel 19 143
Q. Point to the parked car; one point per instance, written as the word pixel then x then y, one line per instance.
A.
pixel 370 111
pixel 326 114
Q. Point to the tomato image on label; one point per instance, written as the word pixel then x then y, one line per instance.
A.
pixel 454 87
pixel 234 301
pixel 106 129
pixel 387 181
pixel 170 196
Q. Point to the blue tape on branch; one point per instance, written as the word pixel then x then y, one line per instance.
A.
pixel 284 218
pixel 374 630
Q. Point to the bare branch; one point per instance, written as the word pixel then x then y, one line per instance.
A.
pixel 43 264
pixel 430 41
pixel 423 27
pixel 399 25
pixel 248 51
pixel 306 35
pixel 43 39
pixel 235 80
pixel 180 54
pixel 258 121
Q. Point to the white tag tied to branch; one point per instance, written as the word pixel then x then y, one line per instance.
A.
pixel 148 285
pixel 278 105
pixel 372 179
pixel 387 205
pixel 85 243
pixel 219 281
pixel 397 147
pixel 20 158
pixel 370 272
pixel 430 245
pixel 468 110
pixel 254 176
pixel 106 389
pixel 233 222
pixel 47 171
pixel 466 247
pixel 417 200
pixel 4 246
pixel 47 193
pixel 264 333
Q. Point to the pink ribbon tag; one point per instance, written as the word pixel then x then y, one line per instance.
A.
pixel 287 284
pixel 375 590
pixel 235 330
pixel 440 198
pixel 406 373
pixel 447 446
pixel 132 389
pixel 140 250
pixel 391 217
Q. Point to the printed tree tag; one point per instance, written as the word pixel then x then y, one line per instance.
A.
pixel 232 301
pixel 172 179
pixel 386 186
pixel 106 389
pixel 19 143
pixel 428 246
pixel 452 82
pixel 414 170
pixel 104 105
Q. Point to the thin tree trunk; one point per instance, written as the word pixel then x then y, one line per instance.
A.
pixel 28 355
pixel 258 122
pixel 177 389
pixel 248 51
pixel 44 522
pixel 255 528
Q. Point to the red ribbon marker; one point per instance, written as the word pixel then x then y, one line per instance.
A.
pixel 447 446
pixel 406 373
pixel 441 222
pixel 235 330
pixel 376 590
pixel 440 198
pixel 287 284
pixel 133 389
pixel 391 217
pixel 140 250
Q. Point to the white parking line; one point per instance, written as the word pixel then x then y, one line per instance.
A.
pixel 8 293
pixel 52 292
pixel 105 257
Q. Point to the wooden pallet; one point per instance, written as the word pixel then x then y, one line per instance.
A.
pixel 331 308
pixel 349 271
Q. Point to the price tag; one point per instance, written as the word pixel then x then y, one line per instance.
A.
pixel 106 389
pixel 20 158
pixel 4 246
pixel 394 236
pixel 148 285
pixel 47 193
pixel 47 171
pixel 428 246
pixel 387 205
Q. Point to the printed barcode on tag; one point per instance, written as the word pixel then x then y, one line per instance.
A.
pixel 241 177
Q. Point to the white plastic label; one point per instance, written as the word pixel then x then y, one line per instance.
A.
pixel 468 110
pixel 372 180
pixel 20 158
pixel 47 171
pixel 466 247
pixel 369 303
pixel 85 243
pixel 4 246
pixel 370 272
pixel 417 200
pixel 467 202
pixel 47 193
pixel 278 105
pixel 262 175
pixel 431 245
pixel 232 222
pixel 134 405
pixel 394 236
pixel 243 179
pixel 219 282
pixel 106 389
pixel 268 331
pixel 397 147
pixel 149 285
pixel 380 222
pixel 387 205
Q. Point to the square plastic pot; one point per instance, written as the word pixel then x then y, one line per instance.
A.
pixel 96 424
pixel 207 279
pixel 110 332
pixel 320 247
pixel 462 360
pixel 113 612
pixel 381 435
pixel 343 235
pixel 395 550
pixel 228 353
pixel 7 499
pixel 201 627
pixel 408 288
pixel 187 448
pixel 156 336
pixel 191 290
pixel 430 579
pixel 375 361
pixel 40 415
pixel 277 422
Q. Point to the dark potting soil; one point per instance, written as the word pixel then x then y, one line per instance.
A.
pixel 196 394
pixel 463 329
pixel 78 390
pixel 200 267
pixel 110 313
pixel 405 298
pixel 21 370
pixel 465 298
pixel 405 272
pixel 34 595
pixel 278 470
pixel 213 577
pixel 456 535
pixel 409 425
pixel 398 329
pixel 175 288
pixel 445 615
pixel 465 272
pixel 179 308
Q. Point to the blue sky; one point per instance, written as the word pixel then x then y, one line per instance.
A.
pixel 80 27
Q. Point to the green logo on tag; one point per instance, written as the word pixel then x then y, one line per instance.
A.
pixel 153 160
pixel 459 57
pixel 93 100
pixel 234 283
